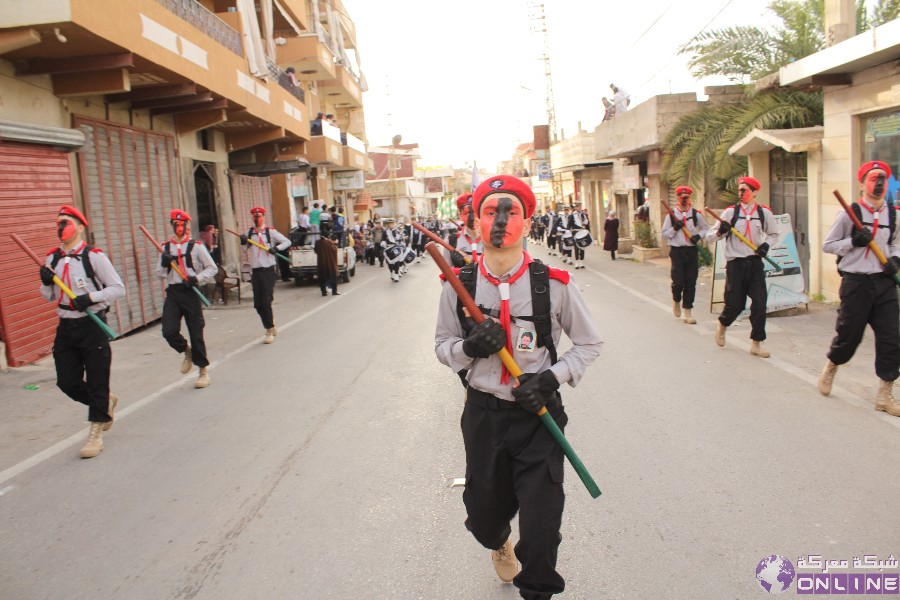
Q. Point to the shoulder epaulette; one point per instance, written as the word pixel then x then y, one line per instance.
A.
pixel 96 250
pixel 559 275
pixel 53 250
pixel 455 272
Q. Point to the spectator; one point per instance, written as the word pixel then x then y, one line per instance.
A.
pixel 326 265
pixel 303 225
pixel 643 212
pixel 210 238
pixel 292 75
pixel 329 118
pixel 315 126
pixel 315 222
pixel 611 229
pixel 609 109
pixel 621 99
pixel 359 244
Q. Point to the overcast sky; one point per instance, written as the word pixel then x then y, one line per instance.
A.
pixel 464 79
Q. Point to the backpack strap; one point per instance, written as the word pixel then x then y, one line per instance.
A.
pixel 694 215
pixel 188 259
pixel 88 268
pixel 468 275
pixel 540 306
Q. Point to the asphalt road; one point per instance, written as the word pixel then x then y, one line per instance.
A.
pixel 318 467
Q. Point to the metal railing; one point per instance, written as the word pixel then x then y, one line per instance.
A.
pixel 284 80
pixel 197 15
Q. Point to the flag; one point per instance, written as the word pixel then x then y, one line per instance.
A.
pixel 475 178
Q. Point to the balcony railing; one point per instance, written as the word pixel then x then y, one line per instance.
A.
pixel 197 15
pixel 285 81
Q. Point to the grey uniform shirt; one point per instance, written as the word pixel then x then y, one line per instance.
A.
pixel 677 238
pixel 568 312
pixel 259 258
pixel 466 245
pixel 201 259
pixel 80 283
pixel 734 247
pixel 861 260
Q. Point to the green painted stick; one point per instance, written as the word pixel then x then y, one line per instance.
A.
pixel 65 289
pixel 514 370
pixel 175 266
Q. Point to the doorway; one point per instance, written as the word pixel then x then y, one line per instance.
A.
pixel 789 194
pixel 204 188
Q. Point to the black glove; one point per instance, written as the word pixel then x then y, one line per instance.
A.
pixel 724 227
pixel 484 339
pixel 47 275
pixel 82 302
pixel 861 237
pixel 892 265
pixel 677 225
pixel 695 239
pixel 535 390
pixel 273 250
pixel 166 259
pixel 192 280
pixel 243 239
pixel 457 259
pixel 762 249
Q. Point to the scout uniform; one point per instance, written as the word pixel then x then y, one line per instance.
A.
pixel 513 464
pixel 744 274
pixel 392 248
pixel 81 349
pixel 868 291
pixel 467 243
pixel 262 262
pixel 575 224
pixel 683 234
pixel 194 261
pixel 563 231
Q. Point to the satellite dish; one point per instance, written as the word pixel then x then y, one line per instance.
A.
pixel 395 141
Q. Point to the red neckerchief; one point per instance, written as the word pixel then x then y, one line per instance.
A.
pixel 874 214
pixel 473 246
pixel 75 253
pixel 684 213
pixel 747 214
pixel 259 233
pixel 503 287
pixel 184 240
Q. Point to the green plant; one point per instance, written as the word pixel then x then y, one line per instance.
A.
pixel 643 233
pixel 704 256
pixel 817 297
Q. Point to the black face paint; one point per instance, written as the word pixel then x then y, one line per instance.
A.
pixel 501 220
pixel 878 189
pixel 470 217
pixel 64 229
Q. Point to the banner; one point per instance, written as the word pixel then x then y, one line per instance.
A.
pixel 545 173
pixel 785 287
pixel 299 184
pixel 348 180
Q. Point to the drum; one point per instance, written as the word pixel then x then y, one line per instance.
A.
pixel 410 256
pixel 583 238
pixel 393 253
pixel 567 240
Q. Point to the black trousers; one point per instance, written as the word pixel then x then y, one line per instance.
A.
pixel 551 242
pixel 684 274
pixel 327 277
pixel 284 267
pixel 745 277
pixel 579 253
pixel 868 300
pixel 395 267
pixel 83 359
pixel 513 465
pixel 263 282
pixel 180 302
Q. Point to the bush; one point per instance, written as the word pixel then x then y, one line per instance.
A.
pixel 644 234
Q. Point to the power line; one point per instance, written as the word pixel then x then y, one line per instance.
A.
pixel 661 15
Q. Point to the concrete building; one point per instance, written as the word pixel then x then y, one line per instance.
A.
pixel 587 180
pixel 130 109
pixel 397 190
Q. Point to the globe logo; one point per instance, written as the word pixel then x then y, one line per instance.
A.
pixel 775 574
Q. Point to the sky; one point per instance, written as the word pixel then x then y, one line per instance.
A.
pixel 465 79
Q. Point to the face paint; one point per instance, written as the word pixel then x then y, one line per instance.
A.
pixel 502 220
pixel 258 220
pixel 876 184
pixel 179 228
pixel 65 229
pixel 744 194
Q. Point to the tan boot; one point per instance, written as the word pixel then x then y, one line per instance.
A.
pixel 720 334
pixel 94 444
pixel 274 330
pixel 826 379
pixel 885 399
pixel 270 336
pixel 688 318
pixel 186 364
pixel 203 379
pixel 757 350
pixel 676 308
pixel 113 401
pixel 505 562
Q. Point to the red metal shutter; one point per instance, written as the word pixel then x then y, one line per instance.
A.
pixel 129 177
pixel 247 192
pixel 34 182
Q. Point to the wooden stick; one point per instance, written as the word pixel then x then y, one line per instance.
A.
pixel 437 240
pixel 281 256
pixel 174 264
pixel 858 225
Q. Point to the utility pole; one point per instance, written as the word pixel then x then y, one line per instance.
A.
pixel 551 109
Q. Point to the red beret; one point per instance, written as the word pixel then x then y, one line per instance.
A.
pixel 463 200
pixel 683 189
pixel 505 184
pixel 872 164
pixel 752 182
pixel 179 215
pixel 72 212
pixel 257 210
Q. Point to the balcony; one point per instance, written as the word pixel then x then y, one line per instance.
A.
pixel 197 15
pixel 355 157
pixel 343 91
pixel 285 81
pixel 311 58
pixel 326 149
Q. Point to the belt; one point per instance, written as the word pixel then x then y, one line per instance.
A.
pixel 862 276
pixel 489 401
pixel 757 257
pixel 264 268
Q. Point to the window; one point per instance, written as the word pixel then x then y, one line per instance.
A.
pixel 881 141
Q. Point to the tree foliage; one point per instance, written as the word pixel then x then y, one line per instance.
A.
pixel 882 12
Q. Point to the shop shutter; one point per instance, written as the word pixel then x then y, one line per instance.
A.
pixel 34 182
pixel 247 192
pixel 129 177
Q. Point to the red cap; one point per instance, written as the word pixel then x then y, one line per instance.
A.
pixel 752 182
pixel 683 189
pixel 463 200
pixel 257 210
pixel 179 215
pixel 872 164
pixel 72 212
pixel 505 184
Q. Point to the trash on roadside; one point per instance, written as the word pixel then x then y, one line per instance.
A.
pixel 31 386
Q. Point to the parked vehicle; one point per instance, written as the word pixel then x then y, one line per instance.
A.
pixel 304 264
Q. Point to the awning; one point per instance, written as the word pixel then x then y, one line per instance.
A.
pixel 66 140
pixel 801 139
pixel 278 167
